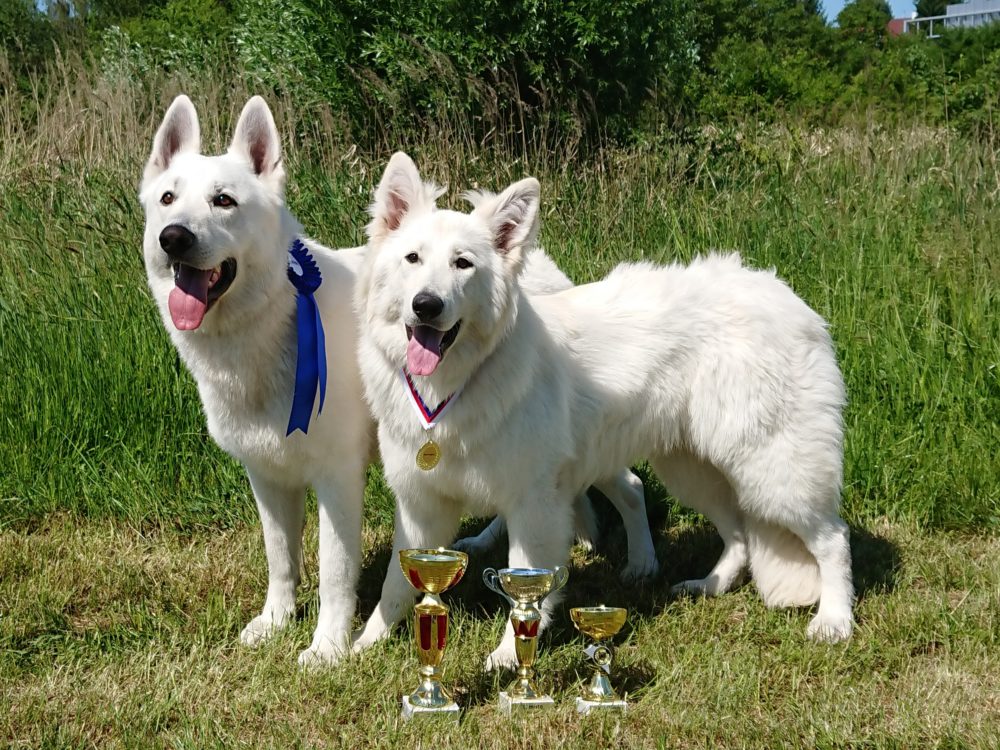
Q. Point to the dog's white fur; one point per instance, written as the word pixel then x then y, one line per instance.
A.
pixel 243 357
pixel 625 491
pixel 719 375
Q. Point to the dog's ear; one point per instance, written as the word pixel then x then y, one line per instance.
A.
pixel 179 132
pixel 256 139
pixel 513 217
pixel 400 191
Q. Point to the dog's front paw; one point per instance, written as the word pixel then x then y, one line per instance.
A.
pixel 504 657
pixel 694 587
pixel 261 628
pixel 826 629
pixel 639 570
pixel 366 639
pixel 324 654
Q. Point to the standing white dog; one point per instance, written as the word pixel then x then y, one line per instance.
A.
pixel 216 246
pixel 719 375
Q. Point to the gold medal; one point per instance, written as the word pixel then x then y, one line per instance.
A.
pixel 428 455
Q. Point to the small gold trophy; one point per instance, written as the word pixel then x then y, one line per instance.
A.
pixel 525 588
pixel 600 624
pixel 432 572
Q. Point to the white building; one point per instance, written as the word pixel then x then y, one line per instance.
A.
pixel 957 15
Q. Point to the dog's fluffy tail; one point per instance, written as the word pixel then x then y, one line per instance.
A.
pixel 785 573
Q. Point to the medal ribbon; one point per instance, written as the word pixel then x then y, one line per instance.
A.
pixel 428 417
pixel 310 357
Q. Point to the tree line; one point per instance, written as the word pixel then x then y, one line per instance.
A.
pixel 622 70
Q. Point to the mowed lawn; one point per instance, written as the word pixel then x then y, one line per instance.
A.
pixel 130 552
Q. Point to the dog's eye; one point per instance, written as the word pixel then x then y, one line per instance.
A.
pixel 463 263
pixel 223 201
pixel 167 198
pixel 412 258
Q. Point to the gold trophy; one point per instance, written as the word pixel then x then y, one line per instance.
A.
pixel 431 571
pixel 600 624
pixel 525 588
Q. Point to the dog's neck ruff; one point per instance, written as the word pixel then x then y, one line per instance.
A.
pixel 310 357
pixel 428 417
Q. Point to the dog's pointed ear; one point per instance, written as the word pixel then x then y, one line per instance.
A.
pixel 399 192
pixel 178 133
pixel 513 217
pixel 256 139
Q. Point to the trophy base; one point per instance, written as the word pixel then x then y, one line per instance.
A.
pixel 509 705
pixel 583 706
pixel 449 712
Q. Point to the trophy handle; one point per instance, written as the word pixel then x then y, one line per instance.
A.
pixel 560 577
pixel 492 580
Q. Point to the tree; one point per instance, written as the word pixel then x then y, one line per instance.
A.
pixel 931 7
pixel 865 18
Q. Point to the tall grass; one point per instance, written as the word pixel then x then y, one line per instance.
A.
pixel 890 235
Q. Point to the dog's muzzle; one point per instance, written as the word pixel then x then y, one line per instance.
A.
pixel 177 241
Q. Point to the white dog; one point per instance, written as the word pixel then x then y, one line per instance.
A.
pixel 216 246
pixel 720 376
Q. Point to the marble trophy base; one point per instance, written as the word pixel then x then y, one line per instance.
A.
pixel 583 706
pixel 445 713
pixel 512 706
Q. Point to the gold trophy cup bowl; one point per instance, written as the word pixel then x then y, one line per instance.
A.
pixel 524 589
pixel 432 572
pixel 599 624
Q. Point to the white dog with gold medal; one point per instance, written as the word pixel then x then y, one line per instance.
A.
pixel 718 375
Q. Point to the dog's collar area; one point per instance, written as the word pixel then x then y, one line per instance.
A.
pixel 429 417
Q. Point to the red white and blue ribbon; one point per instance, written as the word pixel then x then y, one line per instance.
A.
pixel 310 357
pixel 428 417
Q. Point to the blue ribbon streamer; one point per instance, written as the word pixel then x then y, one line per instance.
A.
pixel 310 358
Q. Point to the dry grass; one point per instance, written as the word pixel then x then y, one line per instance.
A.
pixel 118 638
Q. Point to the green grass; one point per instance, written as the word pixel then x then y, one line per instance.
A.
pixel 118 638
pixel 130 552
pixel 891 237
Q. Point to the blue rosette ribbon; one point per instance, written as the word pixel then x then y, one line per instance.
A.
pixel 310 358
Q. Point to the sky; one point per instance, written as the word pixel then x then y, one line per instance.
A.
pixel 900 8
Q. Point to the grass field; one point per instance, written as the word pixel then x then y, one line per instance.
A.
pixel 130 553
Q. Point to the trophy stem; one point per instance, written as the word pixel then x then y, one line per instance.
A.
pixel 430 627
pixel 600 688
pixel 523 691
pixel 599 694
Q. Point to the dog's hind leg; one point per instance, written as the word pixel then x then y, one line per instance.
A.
pixel 540 533
pixel 699 485
pixel 340 499
pixel 281 510
pixel 426 522
pixel 828 540
pixel 626 493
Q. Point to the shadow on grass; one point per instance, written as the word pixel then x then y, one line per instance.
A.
pixel 686 546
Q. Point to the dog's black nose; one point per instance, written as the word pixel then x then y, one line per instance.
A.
pixel 176 240
pixel 427 306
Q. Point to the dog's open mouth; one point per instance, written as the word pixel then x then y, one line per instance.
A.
pixel 195 291
pixel 427 347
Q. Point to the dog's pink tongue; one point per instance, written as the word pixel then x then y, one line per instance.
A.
pixel 424 350
pixel 188 300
